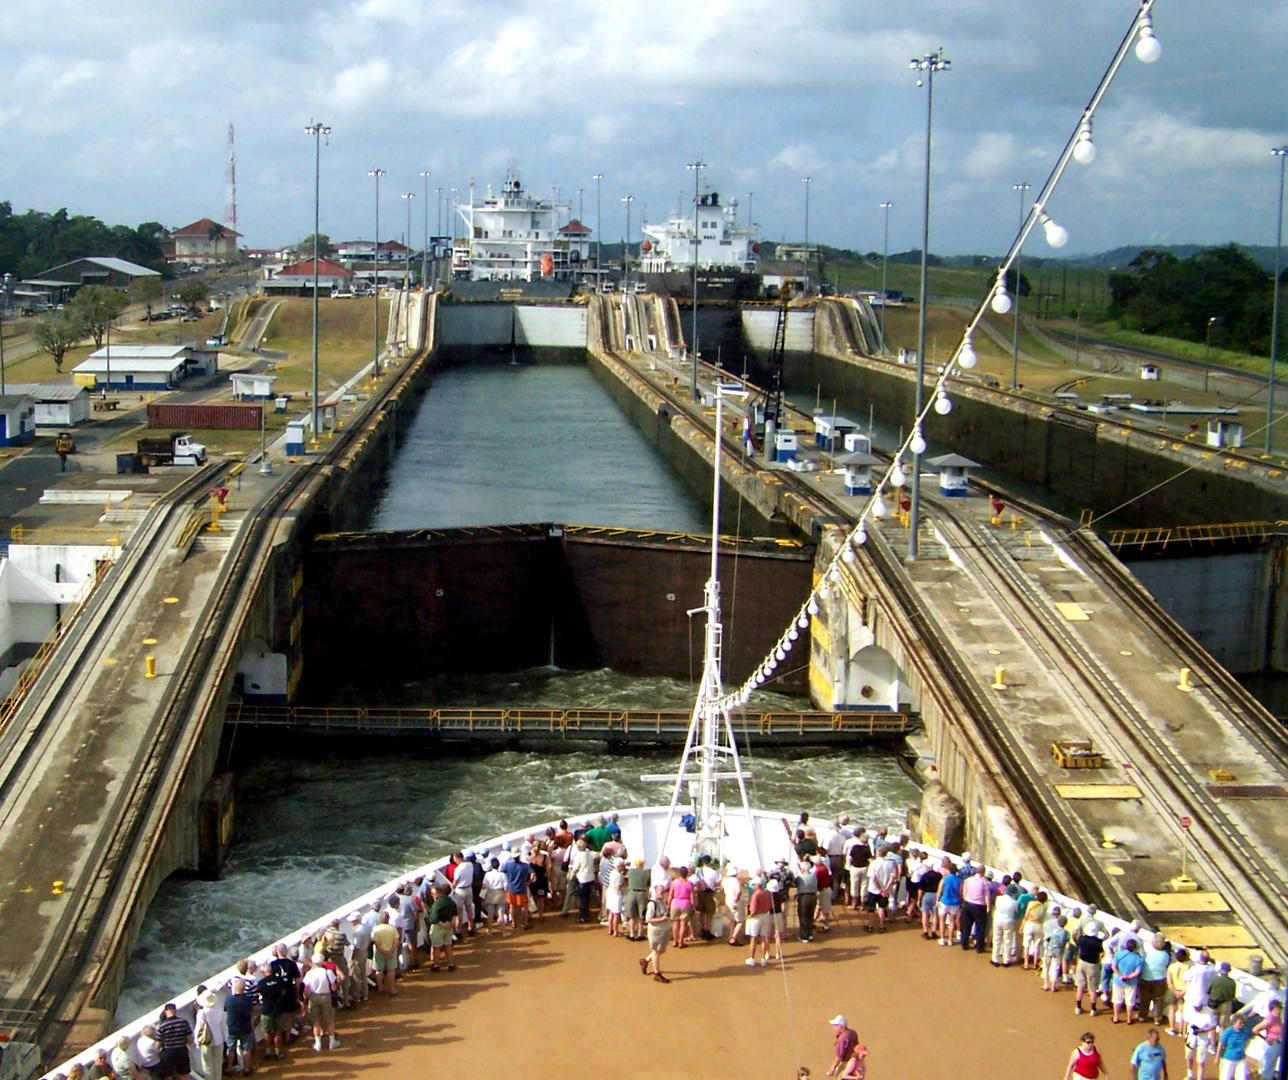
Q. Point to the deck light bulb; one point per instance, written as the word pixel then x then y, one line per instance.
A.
pixel 779 654
pixel 878 507
pixel 825 593
pixel 1001 301
pixel 834 575
pixel 803 622
pixel 861 537
pixel 771 663
pixel 848 554
pixel 793 634
pixel 943 405
pixel 1084 150
pixel 897 477
pixel 1147 47
pixel 917 444
pixel 967 358
pixel 1056 235
pixel 812 607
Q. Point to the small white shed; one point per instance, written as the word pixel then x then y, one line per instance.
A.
pixel 954 473
pixel 248 386
pixel 60 405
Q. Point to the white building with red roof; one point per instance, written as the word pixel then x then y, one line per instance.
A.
pixel 204 241
pixel 296 279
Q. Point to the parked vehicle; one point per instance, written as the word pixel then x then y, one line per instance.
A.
pixel 178 449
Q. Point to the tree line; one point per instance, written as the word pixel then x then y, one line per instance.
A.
pixel 1220 291
pixel 95 308
pixel 36 240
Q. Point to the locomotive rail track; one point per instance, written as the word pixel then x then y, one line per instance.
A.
pixel 1231 857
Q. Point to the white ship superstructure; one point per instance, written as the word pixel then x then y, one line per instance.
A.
pixel 516 237
pixel 727 251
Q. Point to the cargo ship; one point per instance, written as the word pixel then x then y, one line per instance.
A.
pixel 727 253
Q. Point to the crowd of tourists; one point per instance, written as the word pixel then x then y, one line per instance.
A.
pixel 298 992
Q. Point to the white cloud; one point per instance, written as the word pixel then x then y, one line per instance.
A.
pixel 991 155
pixel 360 85
pixel 798 157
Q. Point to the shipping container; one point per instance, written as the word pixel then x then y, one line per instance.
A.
pixel 217 417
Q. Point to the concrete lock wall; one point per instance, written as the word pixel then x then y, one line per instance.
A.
pixel 475 601
pixel 534 326
pixel 1225 601
pixel 760 324
pixel 1089 462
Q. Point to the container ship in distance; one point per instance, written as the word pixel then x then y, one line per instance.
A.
pixel 727 253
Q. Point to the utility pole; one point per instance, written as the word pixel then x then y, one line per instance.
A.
pixel 697 167
pixel 375 315
pixel 1021 187
pixel 319 132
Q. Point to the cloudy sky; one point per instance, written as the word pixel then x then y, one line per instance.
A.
pixel 121 110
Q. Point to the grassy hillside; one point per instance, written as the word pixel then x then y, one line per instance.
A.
pixel 344 341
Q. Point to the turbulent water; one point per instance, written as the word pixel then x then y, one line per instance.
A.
pixel 321 827
pixel 490 444
pixel 502 444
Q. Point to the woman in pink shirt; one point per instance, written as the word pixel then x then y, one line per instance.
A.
pixel 681 906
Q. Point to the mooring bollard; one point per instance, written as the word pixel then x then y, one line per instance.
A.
pixel 151 672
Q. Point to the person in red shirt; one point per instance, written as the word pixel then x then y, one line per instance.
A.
pixel 1086 1061
pixel 846 1041
pixel 823 872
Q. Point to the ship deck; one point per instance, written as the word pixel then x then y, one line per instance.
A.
pixel 562 999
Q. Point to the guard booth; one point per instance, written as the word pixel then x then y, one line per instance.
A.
pixel 1224 433
pixel 858 472
pixel 830 432
pixel 856 442
pixel 784 446
pixel 295 438
pixel 954 473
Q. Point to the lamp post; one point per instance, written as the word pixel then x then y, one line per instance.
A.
pixel 1021 187
pixel 885 260
pixel 1207 353
pixel 599 231
pixel 407 196
pixel 928 64
pixel 1281 152
pixel 805 262
pixel 319 132
pixel 751 219
pixel 424 254
pixel 626 247
pixel 375 262
pixel 697 167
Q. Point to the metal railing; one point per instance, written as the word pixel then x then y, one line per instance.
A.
pixel 567 723
pixel 1190 534
pixel 65 535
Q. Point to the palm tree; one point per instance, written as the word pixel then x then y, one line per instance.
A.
pixel 214 234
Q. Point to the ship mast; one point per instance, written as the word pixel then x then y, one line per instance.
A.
pixel 710 745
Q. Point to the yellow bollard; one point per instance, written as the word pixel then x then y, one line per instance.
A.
pixel 151 672
pixel 214 515
pixel 1184 684
pixel 999 678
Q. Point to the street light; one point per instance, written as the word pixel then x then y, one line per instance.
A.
pixel 885 259
pixel 1021 187
pixel 1207 353
pixel 424 254
pixel 697 167
pixel 319 132
pixel 375 315
pixel 928 64
pixel 1281 152
pixel 407 196
pixel 599 232
pixel 626 247
pixel 805 262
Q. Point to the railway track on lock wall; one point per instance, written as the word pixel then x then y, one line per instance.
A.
pixel 1229 855
pixel 1056 831
pixel 54 988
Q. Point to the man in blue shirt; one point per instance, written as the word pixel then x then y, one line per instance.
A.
pixel 518 874
pixel 1127 967
pixel 1149 1061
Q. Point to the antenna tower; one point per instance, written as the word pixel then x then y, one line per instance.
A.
pixel 230 209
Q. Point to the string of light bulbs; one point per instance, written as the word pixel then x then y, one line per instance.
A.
pixel 1079 148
